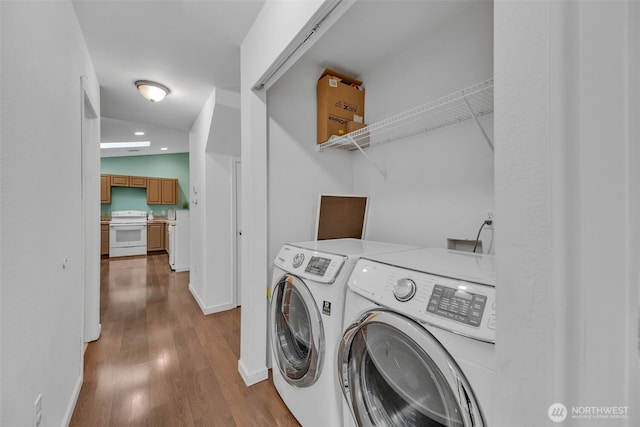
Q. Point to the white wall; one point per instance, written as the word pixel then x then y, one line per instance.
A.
pixel 198 137
pixel 219 234
pixel 214 143
pixel 276 26
pixel 91 207
pixel 41 303
pixel 566 196
pixel 298 173
pixel 438 184
pixel 633 302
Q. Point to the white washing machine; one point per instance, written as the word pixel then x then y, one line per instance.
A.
pixel 418 347
pixel 306 313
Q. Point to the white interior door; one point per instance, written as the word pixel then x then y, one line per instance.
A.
pixel 238 228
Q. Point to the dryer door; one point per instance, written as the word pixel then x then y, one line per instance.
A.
pixel 393 372
pixel 297 333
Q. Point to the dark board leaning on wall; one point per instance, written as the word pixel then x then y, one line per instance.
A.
pixel 341 217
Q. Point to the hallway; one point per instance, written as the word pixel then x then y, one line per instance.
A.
pixel 161 362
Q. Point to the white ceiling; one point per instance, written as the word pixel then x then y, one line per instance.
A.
pixel 191 46
pixel 115 130
pixel 373 30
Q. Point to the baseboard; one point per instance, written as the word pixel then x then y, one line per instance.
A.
pixel 74 400
pixel 252 378
pixel 212 308
pixel 91 339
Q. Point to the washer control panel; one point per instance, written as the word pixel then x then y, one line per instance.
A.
pixel 457 304
pixel 460 306
pixel 312 265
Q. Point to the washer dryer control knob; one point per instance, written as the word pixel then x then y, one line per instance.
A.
pixel 298 259
pixel 404 289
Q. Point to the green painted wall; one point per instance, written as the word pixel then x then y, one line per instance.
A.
pixel 161 166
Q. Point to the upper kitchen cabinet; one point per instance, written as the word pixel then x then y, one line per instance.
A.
pixel 154 191
pixel 105 189
pixel 169 191
pixel 119 181
pixel 162 191
pixel 138 181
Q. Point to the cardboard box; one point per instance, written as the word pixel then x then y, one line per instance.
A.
pixel 362 140
pixel 331 125
pixel 339 96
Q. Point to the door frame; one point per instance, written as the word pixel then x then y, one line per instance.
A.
pixel 90 205
pixel 236 207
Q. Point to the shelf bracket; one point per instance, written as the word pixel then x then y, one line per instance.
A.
pixel 353 141
pixel 475 117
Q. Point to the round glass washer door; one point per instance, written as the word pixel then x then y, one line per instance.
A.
pixel 393 372
pixel 297 333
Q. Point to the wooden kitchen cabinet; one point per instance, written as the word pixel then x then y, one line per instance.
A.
pixel 154 191
pixel 162 191
pixel 155 237
pixel 119 181
pixel 104 239
pixel 138 181
pixel 105 188
pixel 169 191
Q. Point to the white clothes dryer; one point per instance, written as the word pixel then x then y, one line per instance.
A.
pixel 419 340
pixel 306 313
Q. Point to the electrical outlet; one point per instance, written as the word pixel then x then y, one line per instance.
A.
pixel 490 216
pixel 37 411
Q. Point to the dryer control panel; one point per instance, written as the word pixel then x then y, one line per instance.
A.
pixel 456 305
pixel 311 265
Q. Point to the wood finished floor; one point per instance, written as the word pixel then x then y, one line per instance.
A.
pixel 161 362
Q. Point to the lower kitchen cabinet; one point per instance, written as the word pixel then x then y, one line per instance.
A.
pixel 104 239
pixel 155 237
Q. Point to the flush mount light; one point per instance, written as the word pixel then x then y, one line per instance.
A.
pixel 125 144
pixel 154 92
pixel 138 133
pixel 164 149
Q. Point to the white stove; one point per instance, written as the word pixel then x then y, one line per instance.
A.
pixel 128 233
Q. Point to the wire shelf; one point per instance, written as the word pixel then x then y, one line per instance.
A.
pixel 469 103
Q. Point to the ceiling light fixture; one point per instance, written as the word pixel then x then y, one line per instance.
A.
pixel 154 92
pixel 164 149
pixel 138 133
pixel 125 144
